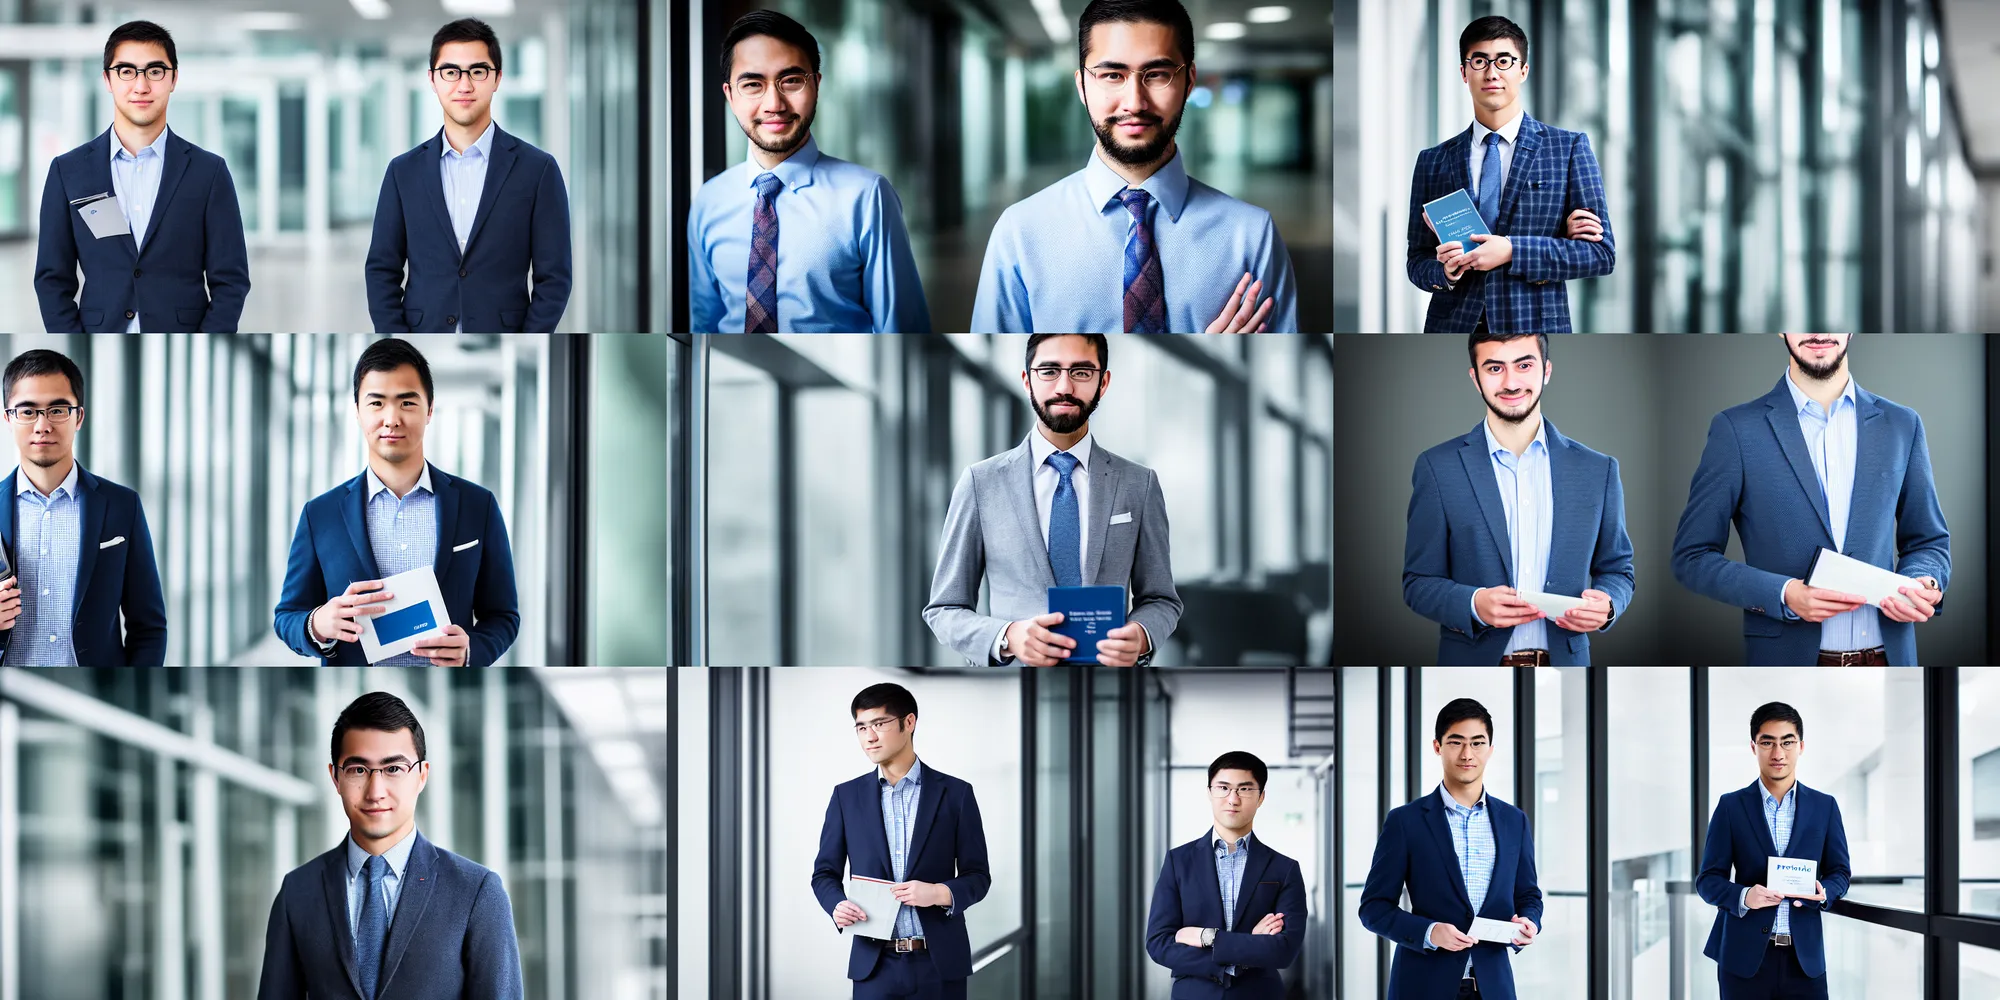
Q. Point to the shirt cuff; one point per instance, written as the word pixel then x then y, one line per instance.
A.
pixel 1743 903
pixel 1786 609
pixel 1474 605
pixel 1430 945
pixel 994 654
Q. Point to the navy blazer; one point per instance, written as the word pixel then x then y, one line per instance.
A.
pixel 1739 838
pixel 1755 473
pixel 947 846
pixel 418 282
pixel 1554 173
pixel 1457 542
pixel 1415 850
pixel 475 566
pixel 115 574
pixel 1189 894
pixel 452 936
pixel 191 276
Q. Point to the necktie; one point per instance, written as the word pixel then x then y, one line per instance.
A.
pixel 760 313
pixel 1489 185
pixel 372 930
pixel 1065 524
pixel 1145 287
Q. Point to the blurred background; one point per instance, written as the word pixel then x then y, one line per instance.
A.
pixel 147 818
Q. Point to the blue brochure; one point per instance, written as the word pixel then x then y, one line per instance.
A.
pixel 1089 614
pixel 1456 218
pixel 413 620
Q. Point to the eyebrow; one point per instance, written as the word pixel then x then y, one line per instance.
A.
pixel 1157 61
pixel 411 394
pixel 793 70
pixel 1516 361
pixel 58 401
pixel 476 65
pixel 879 718
pixel 384 762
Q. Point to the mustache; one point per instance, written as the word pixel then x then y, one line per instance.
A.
pixel 1138 119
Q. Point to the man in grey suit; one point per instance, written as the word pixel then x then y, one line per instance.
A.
pixel 1056 510
pixel 387 915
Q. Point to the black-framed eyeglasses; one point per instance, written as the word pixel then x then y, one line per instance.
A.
pixel 479 72
pixel 128 72
pixel 1456 743
pixel 1157 78
pixel 1502 62
pixel 1788 744
pixel 58 414
pixel 1079 375
pixel 790 85
pixel 879 725
pixel 355 774
pixel 1223 790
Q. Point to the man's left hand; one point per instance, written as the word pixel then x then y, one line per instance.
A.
pixel 921 893
pixel 446 650
pixel 1122 646
pixel 1492 252
pixel 1591 616
pixel 1528 931
pixel 1924 599
pixel 1190 936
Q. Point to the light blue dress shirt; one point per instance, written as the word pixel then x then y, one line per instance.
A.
pixel 1832 439
pixel 135 179
pixel 844 260
pixel 48 544
pixel 1778 816
pixel 392 880
pixel 403 534
pixel 899 817
pixel 1527 493
pixel 1472 840
pixel 464 176
pixel 1056 260
pixel 1229 876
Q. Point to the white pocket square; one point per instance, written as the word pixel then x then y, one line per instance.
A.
pixel 467 545
pixel 120 540
pixel 1125 518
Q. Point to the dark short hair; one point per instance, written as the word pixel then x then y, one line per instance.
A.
pixel 1097 340
pixel 1240 760
pixel 1458 710
pixel 40 362
pixel 775 25
pixel 1490 28
pixel 1472 342
pixel 1167 12
pixel 1776 711
pixel 144 32
pixel 896 698
pixel 467 29
pixel 379 711
pixel 388 355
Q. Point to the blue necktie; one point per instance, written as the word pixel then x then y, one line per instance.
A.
pixel 760 312
pixel 1065 525
pixel 1145 286
pixel 372 931
pixel 1489 186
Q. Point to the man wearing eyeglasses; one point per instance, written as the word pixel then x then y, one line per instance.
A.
pixel 1056 510
pixel 915 826
pixel 1461 853
pixel 1768 944
pixel 82 557
pixel 1212 888
pixel 417 921
pixel 1539 193
pixel 149 217
pixel 792 240
pixel 472 227
pixel 1131 243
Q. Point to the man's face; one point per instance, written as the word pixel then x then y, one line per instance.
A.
pixel 1494 88
pixel 140 101
pixel 772 92
pixel 1510 375
pixel 1233 797
pixel 393 413
pixel 1135 123
pixel 883 736
pixel 1778 747
pixel 1064 402
pixel 1819 354
pixel 465 101
pixel 1464 751
pixel 45 441
pixel 378 805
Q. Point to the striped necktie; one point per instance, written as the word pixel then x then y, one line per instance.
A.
pixel 1145 287
pixel 760 313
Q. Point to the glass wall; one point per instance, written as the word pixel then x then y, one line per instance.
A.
pixel 633 411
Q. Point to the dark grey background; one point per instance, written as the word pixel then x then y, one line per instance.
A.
pixel 1646 400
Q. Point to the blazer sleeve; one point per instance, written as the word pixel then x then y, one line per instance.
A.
pixel 953 610
pixel 831 860
pixel 388 252
pixel 303 592
pixel 1163 922
pixel 549 252
pixel 492 959
pixel 140 599
pixel 281 977
pixel 1428 588
pixel 973 877
pixel 1555 258
pixel 56 283
pixel 1834 873
pixel 1270 951
pixel 1923 544
pixel 227 264
pixel 1527 886
pixel 1424 270
pixel 1714 885
pixel 1702 538
pixel 496 608
pixel 1155 603
pixel 1383 891
pixel 1611 564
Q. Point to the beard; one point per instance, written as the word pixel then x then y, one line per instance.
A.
pixel 792 140
pixel 1815 370
pixel 1067 424
pixel 1144 153
pixel 1535 404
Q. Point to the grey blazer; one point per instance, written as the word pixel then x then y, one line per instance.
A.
pixel 992 532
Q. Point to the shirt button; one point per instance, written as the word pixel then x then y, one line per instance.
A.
pixel 403 546
pixel 45 591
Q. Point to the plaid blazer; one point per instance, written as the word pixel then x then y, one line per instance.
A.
pixel 1554 173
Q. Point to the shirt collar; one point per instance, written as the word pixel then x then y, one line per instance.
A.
pixel 795 171
pixel 1215 840
pixel 1168 185
pixel 158 147
pixel 376 485
pixel 23 485
pixel 915 777
pixel 1452 804
pixel 1790 793
pixel 1040 448
pixel 1494 447
pixel 1510 131
pixel 397 856
pixel 1800 401
pixel 483 144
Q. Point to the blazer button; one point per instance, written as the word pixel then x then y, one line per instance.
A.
pixel 462 272
pixel 135 272
pixel 451 321
pixel 129 314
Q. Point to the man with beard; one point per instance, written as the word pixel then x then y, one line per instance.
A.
pixel 1817 462
pixel 472 229
pixel 843 264
pixel 1131 243
pixel 1510 508
pixel 1056 510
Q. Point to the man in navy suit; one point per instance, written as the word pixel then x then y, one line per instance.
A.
pixel 400 514
pixel 1461 853
pixel 472 229
pixel 387 915
pixel 1537 187
pixel 150 217
pixel 1768 945
pixel 1514 506
pixel 915 826
pixel 1816 463
pixel 1213 887
pixel 82 556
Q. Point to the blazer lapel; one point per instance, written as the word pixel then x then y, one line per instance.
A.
pixel 1570 542
pixel 172 168
pixel 7 522
pixel 1526 142
pixel 1104 476
pixel 928 795
pixel 877 832
pixel 502 161
pixel 1871 460
pixel 1753 805
pixel 413 896
pixel 1253 869
pixel 86 546
pixel 448 495
pixel 1785 424
pixel 1479 469
pixel 355 513
pixel 96 178
pixel 1022 488
pixel 1434 820
pixel 430 184
pixel 333 884
pixel 1457 160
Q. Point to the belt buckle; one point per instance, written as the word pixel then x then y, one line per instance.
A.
pixel 1782 940
pixel 902 946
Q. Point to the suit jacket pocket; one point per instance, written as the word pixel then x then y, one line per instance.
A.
pixel 1762 626
pixel 511 320
pixel 189 319
pixel 413 318
pixel 90 317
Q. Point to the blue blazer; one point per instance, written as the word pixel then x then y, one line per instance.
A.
pixel 475 566
pixel 452 936
pixel 1457 542
pixel 115 574
pixel 1415 850
pixel 947 846
pixel 191 276
pixel 1755 473
pixel 418 282
pixel 1738 838
pixel 1554 173
pixel 1189 894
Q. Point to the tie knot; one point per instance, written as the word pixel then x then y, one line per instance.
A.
pixel 1064 462
pixel 768 185
pixel 374 867
pixel 1136 200
pixel 1492 140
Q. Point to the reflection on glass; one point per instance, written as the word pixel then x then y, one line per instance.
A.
pixel 1979 792
pixel 1869 960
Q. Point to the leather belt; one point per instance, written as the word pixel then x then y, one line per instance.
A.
pixel 904 945
pixel 1782 940
pixel 1526 658
pixel 1877 657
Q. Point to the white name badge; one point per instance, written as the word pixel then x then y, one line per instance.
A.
pixel 1792 877
pixel 104 218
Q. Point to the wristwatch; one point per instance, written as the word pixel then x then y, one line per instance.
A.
pixel 1208 937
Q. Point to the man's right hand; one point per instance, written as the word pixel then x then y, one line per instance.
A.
pixel 1455 258
pixel 1242 314
pixel 846 914
pixel 1500 607
pixel 1450 938
pixel 10 602
pixel 1583 224
pixel 1817 604
pixel 1273 923
pixel 340 618
pixel 1759 897
pixel 1030 641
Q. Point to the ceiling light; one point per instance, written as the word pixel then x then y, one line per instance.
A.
pixel 1268 15
pixel 1226 31
pixel 373 10
pixel 1053 21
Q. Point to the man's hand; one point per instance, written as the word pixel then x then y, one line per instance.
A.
pixel 1242 314
pixel 1817 604
pixel 1454 258
pixel 10 602
pixel 1030 641
pixel 340 619
pixel 447 650
pixel 1924 601
pixel 1759 897
pixel 1528 931
pixel 1122 646
pixel 1190 936
pixel 1273 923
pixel 1500 607
pixel 1583 224
pixel 1492 252
pixel 1596 611
pixel 1818 896
pixel 1450 938
pixel 846 914
pixel 921 894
